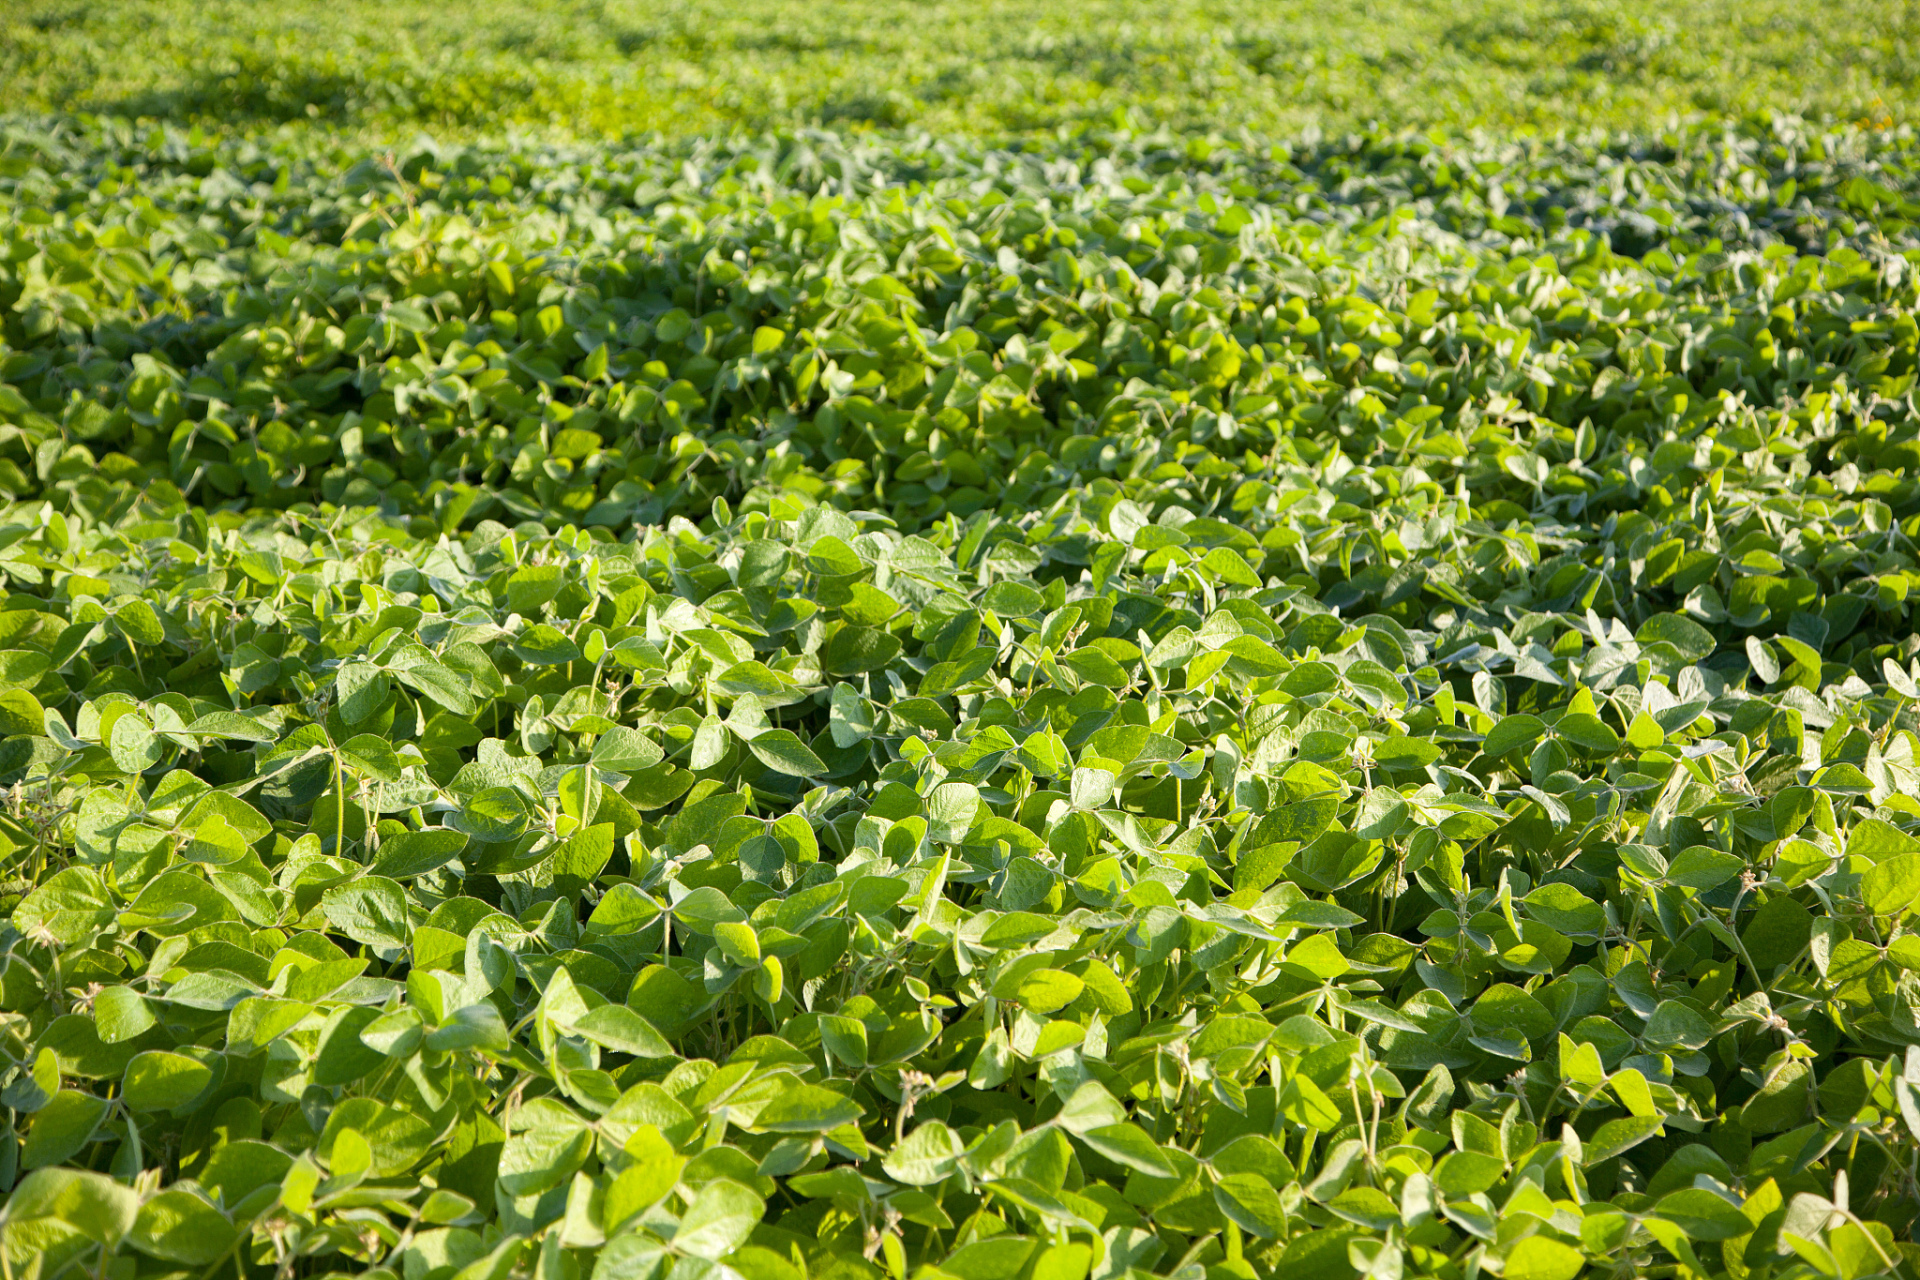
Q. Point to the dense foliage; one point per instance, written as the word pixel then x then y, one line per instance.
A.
pixel 819 707
pixel 611 67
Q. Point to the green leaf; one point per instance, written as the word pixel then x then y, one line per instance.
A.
pixel 1564 909
pixel 952 809
pixel 1090 1106
pixel 996 1258
pixel 344 1054
pixel 69 907
pixel 133 745
pixel 582 856
pixel 61 1128
pixel 372 910
pixel 496 815
pixel 546 1145
pixel 1126 1145
pixel 1249 1201
pixel 851 716
pixel 93 1204
pixel 161 1081
pixel 1698 867
pixel 626 750
pixel 1048 990
pixel 654 1172
pixel 782 751
pixel 1703 1215
pixel 1507 1008
pixel 1538 1257
pixel 1686 637
pixel 20 669
pixel 415 853
pixel 854 650
pixel 442 685
pixel 476 1026
pixel 926 1156
pixel 532 586
pixel 361 690
pixel 371 757
pixel 619 1028
pixel 121 1013
pixel 1513 733
pixel 1401 752
pixel 543 646
pixel 1017 929
pixel 1618 1136
pixel 178 1226
pixel 1012 600
pixel 1588 732
pixel 723 1214
pixel 394 1035
pixel 139 623
pixel 228 724
pixel 1890 888
pixel 1299 823
pixel 807 1108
